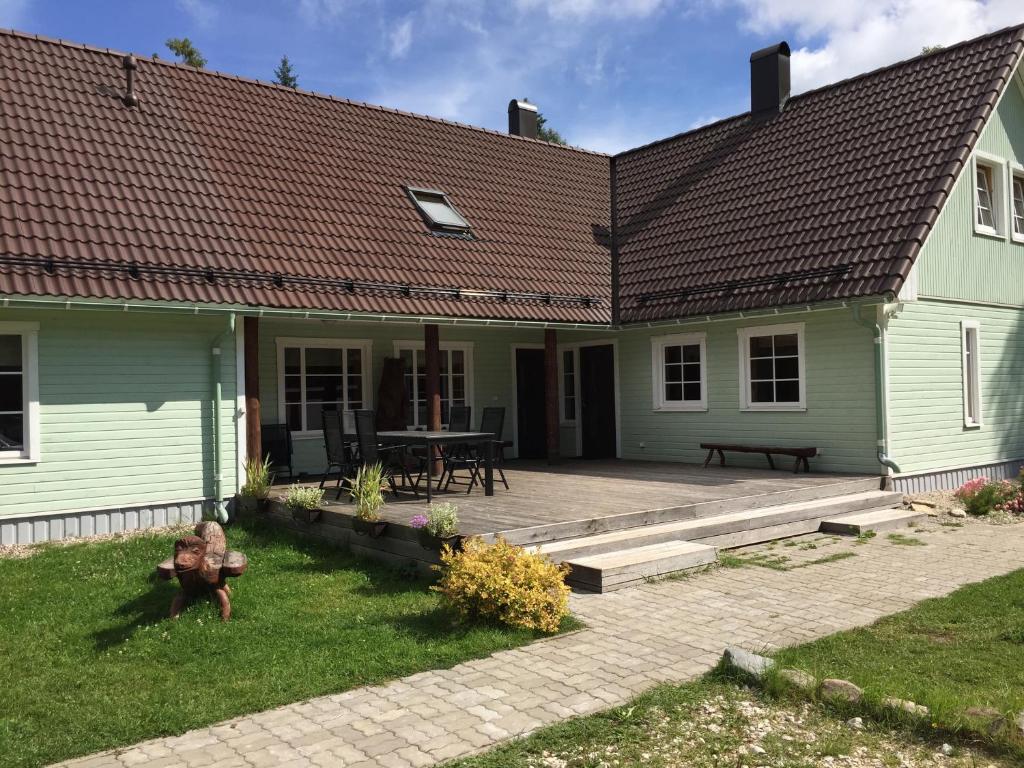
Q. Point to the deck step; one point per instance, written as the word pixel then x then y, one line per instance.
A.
pixel 877 520
pixel 624 568
pixel 727 530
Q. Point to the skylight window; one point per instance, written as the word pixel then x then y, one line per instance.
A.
pixel 438 210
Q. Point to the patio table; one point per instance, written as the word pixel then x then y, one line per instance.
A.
pixel 430 440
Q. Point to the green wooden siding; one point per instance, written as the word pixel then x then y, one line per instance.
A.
pixel 926 386
pixel 956 262
pixel 126 413
pixel 839 419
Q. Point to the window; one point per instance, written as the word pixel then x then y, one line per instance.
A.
pixel 679 372
pixel 456 378
pixel 568 386
pixel 972 373
pixel 19 393
pixel 321 374
pixel 772 367
pixel 990 195
pixel 438 210
pixel 1018 206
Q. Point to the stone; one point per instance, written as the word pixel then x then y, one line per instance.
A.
pixel 947 750
pixel 925 507
pixel 799 679
pixel 990 718
pixel 748 662
pixel 857 723
pixel 841 690
pixel 957 513
pixel 918 710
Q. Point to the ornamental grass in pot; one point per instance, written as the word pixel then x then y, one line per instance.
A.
pixel 439 527
pixel 304 503
pixel 367 492
pixel 253 496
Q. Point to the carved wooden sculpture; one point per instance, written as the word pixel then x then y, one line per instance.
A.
pixel 202 564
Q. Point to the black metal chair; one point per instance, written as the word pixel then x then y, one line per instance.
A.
pixel 276 443
pixel 459 420
pixel 472 458
pixel 338 455
pixel 391 457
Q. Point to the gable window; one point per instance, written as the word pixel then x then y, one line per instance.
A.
pixel 456 379
pixel 679 372
pixel 772 368
pixel 970 343
pixel 1017 190
pixel 315 375
pixel 989 196
pixel 437 210
pixel 19 393
pixel 568 383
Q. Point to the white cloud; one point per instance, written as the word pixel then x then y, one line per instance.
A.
pixel 400 38
pixel 850 38
pixel 13 13
pixel 316 12
pixel 202 12
pixel 579 9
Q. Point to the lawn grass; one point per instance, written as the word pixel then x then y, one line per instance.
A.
pixel 88 660
pixel 951 653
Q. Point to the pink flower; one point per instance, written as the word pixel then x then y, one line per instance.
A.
pixel 970 488
pixel 419 521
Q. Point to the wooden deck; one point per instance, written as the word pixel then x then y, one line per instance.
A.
pixel 574 494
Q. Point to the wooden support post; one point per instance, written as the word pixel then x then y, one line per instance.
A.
pixel 253 432
pixel 432 355
pixel 551 394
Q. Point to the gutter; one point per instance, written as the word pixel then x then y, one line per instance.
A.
pixel 216 376
pixel 880 395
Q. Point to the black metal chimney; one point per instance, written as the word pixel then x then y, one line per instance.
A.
pixel 130 65
pixel 522 119
pixel 769 80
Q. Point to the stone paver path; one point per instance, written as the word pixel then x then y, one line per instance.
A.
pixel 665 631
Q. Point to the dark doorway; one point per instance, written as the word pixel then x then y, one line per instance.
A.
pixel 530 410
pixel 597 395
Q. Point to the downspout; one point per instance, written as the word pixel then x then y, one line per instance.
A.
pixel 880 400
pixel 216 370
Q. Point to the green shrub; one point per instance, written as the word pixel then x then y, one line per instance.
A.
pixel 442 520
pixel 980 495
pixel 257 478
pixel 367 492
pixel 303 497
pixel 505 583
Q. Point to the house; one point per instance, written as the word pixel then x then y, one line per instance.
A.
pixel 187 256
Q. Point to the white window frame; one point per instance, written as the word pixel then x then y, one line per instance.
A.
pixel 997 167
pixel 466 347
pixel 658 345
pixel 1016 174
pixel 744 335
pixel 575 352
pixel 285 342
pixel 971 371
pixel 30 451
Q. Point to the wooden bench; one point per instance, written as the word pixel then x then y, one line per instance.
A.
pixel 800 454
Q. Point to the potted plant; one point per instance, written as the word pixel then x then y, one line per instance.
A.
pixel 367 492
pixel 304 502
pixel 440 526
pixel 253 495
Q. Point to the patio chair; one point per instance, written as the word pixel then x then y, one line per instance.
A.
pixel 276 444
pixel 391 457
pixel 338 454
pixel 493 421
pixel 459 420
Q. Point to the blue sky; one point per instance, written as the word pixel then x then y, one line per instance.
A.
pixel 608 74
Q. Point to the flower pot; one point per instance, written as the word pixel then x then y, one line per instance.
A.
pixel 373 528
pixel 306 515
pixel 434 543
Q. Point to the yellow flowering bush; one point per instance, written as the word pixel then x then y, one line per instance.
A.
pixel 504 582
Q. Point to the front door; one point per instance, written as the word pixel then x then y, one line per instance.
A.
pixel 597 395
pixel 530 410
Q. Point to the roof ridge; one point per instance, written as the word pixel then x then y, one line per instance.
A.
pixel 837 84
pixel 10 32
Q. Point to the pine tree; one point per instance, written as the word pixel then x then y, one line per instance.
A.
pixel 547 134
pixel 186 52
pixel 285 75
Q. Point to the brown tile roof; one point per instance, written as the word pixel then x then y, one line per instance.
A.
pixel 240 181
pixel 831 199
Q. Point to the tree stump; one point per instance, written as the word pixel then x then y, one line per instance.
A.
pixel 202 563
